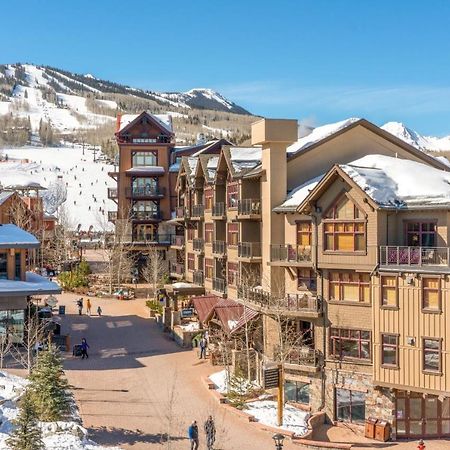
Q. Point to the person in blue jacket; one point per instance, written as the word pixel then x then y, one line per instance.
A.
pixel 84 349
pixel 193 435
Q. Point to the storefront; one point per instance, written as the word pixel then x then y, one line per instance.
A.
pixel 421 415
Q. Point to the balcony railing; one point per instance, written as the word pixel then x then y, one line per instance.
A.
pixel 218 209
pixel 290 253
pixel 112 216
pixel 249 250
pixel 112 193
pixel 177 240
pixel 176 269
pixel 152 238
pixel 219 247
pixel 198 244
pixel 219 285
pixel 146 215
pixel 143 191
pixel 414 256
pixel 198 277
pixel 300 356
pixel 180 212
pixel 249 207
pixel 298 302
pixel 198 211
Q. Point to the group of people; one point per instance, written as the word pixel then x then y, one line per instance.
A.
pixel 210 433
pixel 88 307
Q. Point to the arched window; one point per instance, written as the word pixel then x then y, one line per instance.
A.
pixel 344 227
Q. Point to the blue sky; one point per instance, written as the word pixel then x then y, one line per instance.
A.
pixel 318 60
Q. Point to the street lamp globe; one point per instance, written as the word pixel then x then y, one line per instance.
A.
pixel 278 439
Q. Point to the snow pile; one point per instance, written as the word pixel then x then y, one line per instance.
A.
pixel 265 412
pixel 221 381
pixel 55 435
pixel 191 326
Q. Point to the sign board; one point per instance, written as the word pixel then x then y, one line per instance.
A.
pixel 187 312
pixel 271 378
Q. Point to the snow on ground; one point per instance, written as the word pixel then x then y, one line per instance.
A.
pixel 265 412
pixel 191 326
pixel 220 380
pixel 86 182
pixel 55 435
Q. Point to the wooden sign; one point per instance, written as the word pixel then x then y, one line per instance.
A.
pixel 271 378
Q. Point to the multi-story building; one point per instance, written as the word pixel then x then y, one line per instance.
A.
pixel 333 233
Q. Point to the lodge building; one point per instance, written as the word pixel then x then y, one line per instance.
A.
pixel 333 232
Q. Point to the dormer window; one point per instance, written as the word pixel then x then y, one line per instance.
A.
pixel 344 227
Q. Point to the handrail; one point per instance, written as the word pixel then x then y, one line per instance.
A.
pixel 391 255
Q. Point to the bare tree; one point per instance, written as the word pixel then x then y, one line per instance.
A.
pixel 6 344
pixel 155 268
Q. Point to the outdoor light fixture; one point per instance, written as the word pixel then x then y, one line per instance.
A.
pixel 278 438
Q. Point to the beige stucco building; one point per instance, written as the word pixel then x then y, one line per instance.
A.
pixel 333 235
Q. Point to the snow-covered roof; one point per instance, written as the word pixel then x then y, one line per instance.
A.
pixel 165 120
pixel 175 167
pixel 145 169
pixel 318 134
pixel 211 166
pixel 245 158
pixel 34 284
pixel 5 195
pixel 297 195
pixel 11 236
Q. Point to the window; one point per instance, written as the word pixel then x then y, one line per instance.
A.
pixel 304 234
pixel 431 355
pixel 430 294
pixel 350 343
pixel 232 195
pixel 144 159
pixel 350 406
pixel 144 185
pixel 209 196
pixel 17 267
pixel 421 234
pixel 144 210
pixel 296 391
pixel 350 287
pixel 13 322
pixel 191 261
pixel 389 350
pixel 209 231
pixel 344 227
pixel 233 234
pixel 3 266
pixel 233 273
pixel 389 298
pixel 306 279
pixel 209 264
pixel 190 234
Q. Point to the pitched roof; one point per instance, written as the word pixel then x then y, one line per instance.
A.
pixel 11 236
pixel 163 121
pixel 5 195
pixel 204 305
pixel 233 315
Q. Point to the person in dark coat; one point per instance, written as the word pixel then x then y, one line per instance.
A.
pixel 80 306
pixel 193 435
pixel 210 432
pixel 84 348
pixel 203 344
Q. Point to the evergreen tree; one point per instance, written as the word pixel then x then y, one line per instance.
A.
pixel 27 434
pixel 49 387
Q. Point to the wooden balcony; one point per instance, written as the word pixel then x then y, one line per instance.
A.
pixel 402 257
pixel 249 208
pixel 218 211
pixel 298 304
pixel 141 192
pixel 198 245
pixel 151 239
pixel 301 357
pixel 177 241
pixel 181 213
pixel 176 270
pixel 219 285
pixel 112 216
pixel 219 248
pixel 199 278
pixel 146 216
pixel 249 251
pixel 290 255
pixel 198 212
pixel 112 193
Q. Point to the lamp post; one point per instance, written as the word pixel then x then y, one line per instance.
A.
pixel 278 439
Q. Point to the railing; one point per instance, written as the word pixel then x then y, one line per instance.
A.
pixel 198 211
pixel 143 139
pixel 152 238
pixel 300 356
pixel 177 240
pixel 300 302
pixel 180 212
pixel 198 277
pixel 249 206
pixel 146 215
pixel 290 253
pixel 219 285
pixel 249 250
pixel 176 268
pixel 218 209
pixel 143 191
pixel 112 193
pixel 414 256
pixel 198 244
pixel 219 247
pixel 112 216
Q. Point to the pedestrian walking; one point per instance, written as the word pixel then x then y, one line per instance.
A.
pixel 88 306
pixel 84 349
pixel 99 311
pixel 80 306
pixel 203 343
pixel 193 435
pixel 210 432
